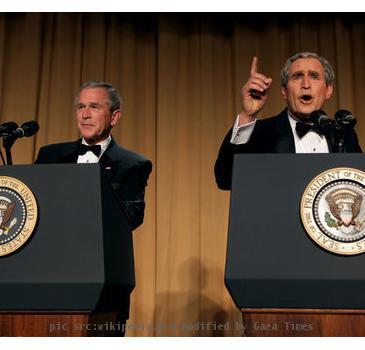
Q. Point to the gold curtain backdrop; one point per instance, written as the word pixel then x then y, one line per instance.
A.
pixel 180 76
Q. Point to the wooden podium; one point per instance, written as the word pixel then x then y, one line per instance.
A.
pixel 282 281
pixel 60 324
pixel 75 274
pixel 303 323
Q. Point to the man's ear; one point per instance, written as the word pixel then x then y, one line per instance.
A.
pixel 329 91
pixel 115 117
pixel 283 92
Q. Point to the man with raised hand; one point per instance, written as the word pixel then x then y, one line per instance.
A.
pixel 307 83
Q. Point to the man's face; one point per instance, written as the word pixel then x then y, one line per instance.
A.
pixel 94 119
pixel 306 90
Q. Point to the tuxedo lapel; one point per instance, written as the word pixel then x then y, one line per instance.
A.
pixel 107 160
pixel 330 144
pixel 70 154
pixel 283 135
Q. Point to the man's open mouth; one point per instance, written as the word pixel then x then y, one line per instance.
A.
pixel 306 98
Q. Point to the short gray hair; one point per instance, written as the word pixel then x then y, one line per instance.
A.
pixel 115 100
pixel 329 74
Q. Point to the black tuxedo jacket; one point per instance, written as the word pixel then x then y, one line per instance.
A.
pixel 127 172
pixel 272 135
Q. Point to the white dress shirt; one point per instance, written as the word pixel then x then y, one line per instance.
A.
pixel 90 157
pixel 311 142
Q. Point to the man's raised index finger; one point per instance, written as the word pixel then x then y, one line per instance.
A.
pixel 254 66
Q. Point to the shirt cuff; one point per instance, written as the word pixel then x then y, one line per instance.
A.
pixel 241 134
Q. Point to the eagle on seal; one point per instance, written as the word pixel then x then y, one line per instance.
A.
pixel 345 206
pixel 7 216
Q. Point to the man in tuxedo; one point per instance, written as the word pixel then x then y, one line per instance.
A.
pixel 98 110
pixel 307 83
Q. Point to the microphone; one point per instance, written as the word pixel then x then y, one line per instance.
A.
pixel 320 119
pixel 14 132
pixel 345 118
pixel 7 127
pixel 26 129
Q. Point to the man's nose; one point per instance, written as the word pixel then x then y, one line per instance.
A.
pixel 86 113
pixel 305 82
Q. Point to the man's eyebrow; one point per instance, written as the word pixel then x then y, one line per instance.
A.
pixel 297 72
pixel 89 104
pixel 311 71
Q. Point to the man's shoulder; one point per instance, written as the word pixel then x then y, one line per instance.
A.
pixel 282 116
pixel 60 146
pixel 57 152
pixel 122 154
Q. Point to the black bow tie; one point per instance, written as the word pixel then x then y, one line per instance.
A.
pixel 96 149
pixel 303 128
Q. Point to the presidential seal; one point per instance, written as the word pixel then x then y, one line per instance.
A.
pixel 333 210
pixel 18 214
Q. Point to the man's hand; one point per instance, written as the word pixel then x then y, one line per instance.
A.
pixel 254 94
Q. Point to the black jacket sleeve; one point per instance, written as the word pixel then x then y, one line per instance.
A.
pixel 130 193
pixel 224 163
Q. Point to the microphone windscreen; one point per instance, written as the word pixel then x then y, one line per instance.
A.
pixel 316 116
pixel 344 117
pixel 30 128
pixel 342 114
pixel 8 127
